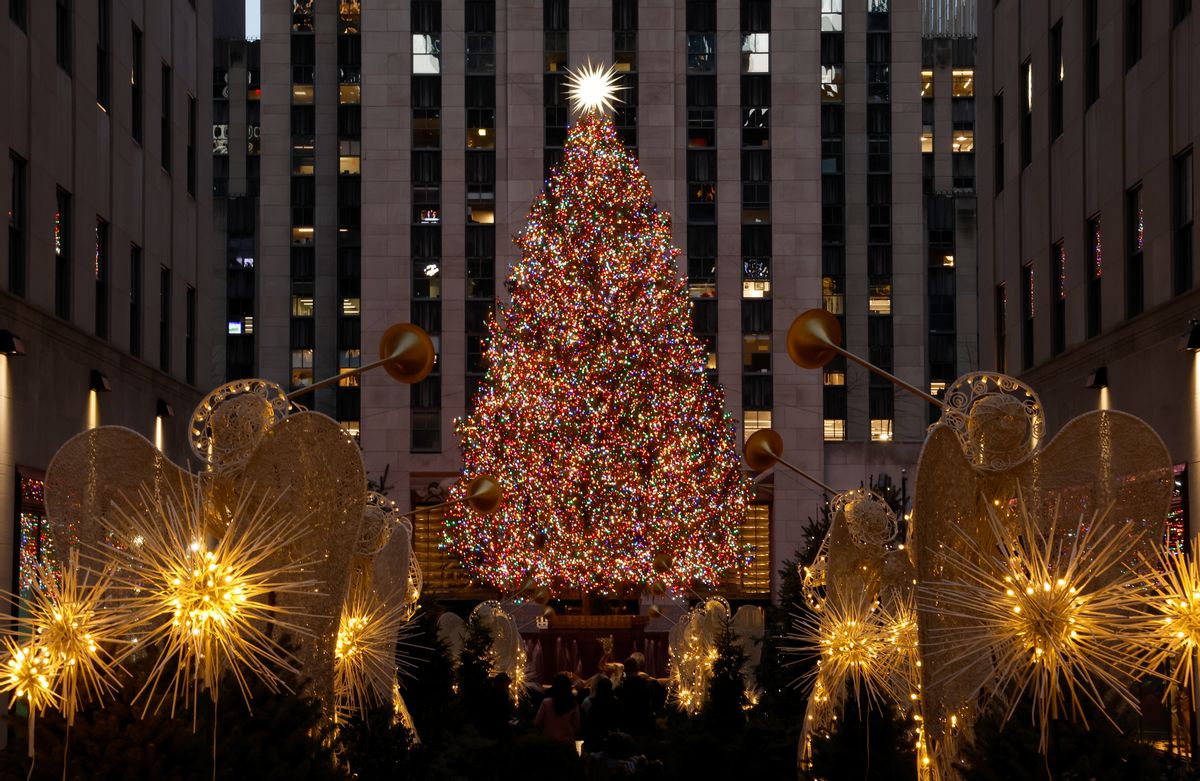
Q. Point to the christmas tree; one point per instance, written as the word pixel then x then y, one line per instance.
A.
pixel 619 463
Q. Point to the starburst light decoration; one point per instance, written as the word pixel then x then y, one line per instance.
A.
pixel 76 627
pixel 210 605
pixel 29 673
pixel 853 644
pixel 593 88
pixel 1050 611
pixel 1173 625
pixel 364 666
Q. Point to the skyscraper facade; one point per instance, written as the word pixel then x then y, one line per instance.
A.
pixel 1086 231
pixel 402 145
pixel 105 276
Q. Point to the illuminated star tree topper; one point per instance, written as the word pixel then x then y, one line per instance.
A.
pixel 619 462
pixel 593 88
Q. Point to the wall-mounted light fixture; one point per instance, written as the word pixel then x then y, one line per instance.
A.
pixel 11 344
pixel 99 382
pixel 164 410
pixel 1098 379
pixel 1191 338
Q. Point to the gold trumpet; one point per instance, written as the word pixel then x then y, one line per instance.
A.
pixel 813 341
pixel 483 495
pixel 764 449
pixel 405 352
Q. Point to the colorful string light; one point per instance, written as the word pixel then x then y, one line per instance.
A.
pixel 596 414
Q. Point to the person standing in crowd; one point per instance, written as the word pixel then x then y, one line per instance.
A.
pixel 635 705
pixel 558 716
pixel 599 713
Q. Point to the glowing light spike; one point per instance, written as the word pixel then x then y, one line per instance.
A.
pixel 593 88
pixel 364 657
pixel 206 604
pixel 1053 612
pixel 1173 623
pixel 78 628
pixel 29 673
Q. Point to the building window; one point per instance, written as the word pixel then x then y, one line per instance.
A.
pixel 481 36
pixel 189 334
pixel 831 83
pixel 135 86
pixel 63 34
pixel 164 319
pixel 1001 325
pixel 881 402
pixel 879 299
pixel 962 83
pixel 62 255
pixel 135 300
pixel 101 274
pixel 1058 278
pixel 17 224
pixel 702 186
pixel 1133 32
pixel 1027 312
pixel 756 53
pixel 555 26
pixel 701 52
pixel 427 54
pixel 164 127
pixel 1180 10
pixel 18 12
pixel 835 430
pixel 998 141
pixel 426 427
pixel 1026 113
pixel 1094 274
pixel 1091 43
pixel 1135 240
pixel 1057 75
pixel 36 559
pixel 753 579
pixel 349 361
pixel 881 430
pixel 103 71
pixel 1181 222
pixel 755 421
pixel 191 146
pixel 302 368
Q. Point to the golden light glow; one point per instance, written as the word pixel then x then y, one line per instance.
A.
pixel 158 432
pixel 1174 624
pixel 593 88
pixel 207 604
pixel 29 674
pixel 76 632
pixel 854 648
pixel 899 622
pixel 364 656
pixel 93 410
pixel 1049 610
pixel 400 714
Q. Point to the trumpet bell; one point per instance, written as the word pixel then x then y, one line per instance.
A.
pixel 408 351
pixel 763 449
pixel 813 337
pixel 484 494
